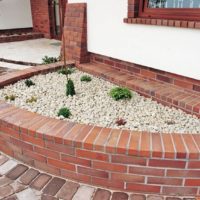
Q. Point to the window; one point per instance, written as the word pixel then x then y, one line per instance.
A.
pixel 170 9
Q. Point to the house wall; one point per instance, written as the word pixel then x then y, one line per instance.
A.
pixel 15 14
pixel 175 50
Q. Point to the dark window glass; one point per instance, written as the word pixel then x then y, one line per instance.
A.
pixel 174 4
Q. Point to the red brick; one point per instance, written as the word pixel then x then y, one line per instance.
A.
pixel 75 160
pixel 167 163
pixel 92 172
pixel 34 155
pixel 127 177
pixel 145 148
pixel 157 149
pixel 192 182
pixel 91 155
pixel 164 181
pixel 134 143
pixel 32 140
pixel 179 191
pixel 47 152
pixel 146 171
pixel 61 165
pixel 142 188
pixel 109 166
pixel 123 142
pixel 112 141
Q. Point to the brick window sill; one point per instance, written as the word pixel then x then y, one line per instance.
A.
pixel 164 22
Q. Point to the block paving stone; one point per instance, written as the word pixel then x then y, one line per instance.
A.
pixel 29 176
pixel 17 172
pixel 21 182
pixel 54 186
pixel 68 190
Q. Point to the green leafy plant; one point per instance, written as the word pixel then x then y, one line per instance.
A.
pixel 86 78
pixel 29 82
pixel 66 71
pixel 70 90
pixel 10 97
pixel 31 100
pixel 118 93
pixel 49 60
pixel 65 112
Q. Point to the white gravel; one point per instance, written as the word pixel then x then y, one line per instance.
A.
pixel 93 105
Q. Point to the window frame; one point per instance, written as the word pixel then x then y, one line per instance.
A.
pixel 190 14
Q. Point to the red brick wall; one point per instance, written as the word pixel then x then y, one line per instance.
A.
pixel 188 84
pixel 143 162
pixel 75 33
pixel 41 17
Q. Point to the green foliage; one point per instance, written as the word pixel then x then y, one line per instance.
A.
pixel 29 83
pixel 118 93
pixel 10 97
pixel 66 71
pixel 31 100
pixel 70 90
pixel 86 78
pixel 49 60
pixel 65 112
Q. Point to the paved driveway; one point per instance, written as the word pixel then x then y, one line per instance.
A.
pixel 29 51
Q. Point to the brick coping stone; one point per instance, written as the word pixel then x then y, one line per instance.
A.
pixel 141 162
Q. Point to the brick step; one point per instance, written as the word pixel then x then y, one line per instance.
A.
pixel 20 37
pixel 163 93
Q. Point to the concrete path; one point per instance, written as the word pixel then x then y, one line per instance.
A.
pixel 21 182
pixel 29 50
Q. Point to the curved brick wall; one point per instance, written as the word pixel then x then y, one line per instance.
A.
pixel 143 162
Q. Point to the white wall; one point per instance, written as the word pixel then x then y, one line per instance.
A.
pixel 15 14
pixel 175 50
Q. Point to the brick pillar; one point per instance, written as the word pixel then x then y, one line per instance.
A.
pixel 75 33
pixel 40 16
pixel 133 8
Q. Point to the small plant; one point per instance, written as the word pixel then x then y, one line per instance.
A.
pixel 10 97
pixel 49 60
pixel 86 78
pixel 120 122
pixel 65 112
pixel 66 71
pixel 70 90
pixel 118 93
pixel 29 82
pixel 31 100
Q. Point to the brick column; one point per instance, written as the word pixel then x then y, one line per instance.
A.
pixel 40 16
pixel 133 8
pixel 75 33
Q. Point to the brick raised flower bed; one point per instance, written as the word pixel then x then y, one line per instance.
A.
pixel 166 164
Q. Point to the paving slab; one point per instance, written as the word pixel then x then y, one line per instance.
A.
pixel 30 50
pixel 6 191
pixel 84 192
pixel 5 181
pixel 40 181
pixel 7 166
pixel 27 194
pixel 54 186
pixel 29 176
pixel 119 196
pixel 102 195
pixel 17 171
pixel 68 190
pixel 3 159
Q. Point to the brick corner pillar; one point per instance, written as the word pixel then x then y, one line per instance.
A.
pixel 41 17
pixel 133 8
pixel 75 33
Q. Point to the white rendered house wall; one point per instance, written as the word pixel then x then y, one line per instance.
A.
pixel 15 14
pixel 171 49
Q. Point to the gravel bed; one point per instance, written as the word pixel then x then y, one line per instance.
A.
pixel 93 105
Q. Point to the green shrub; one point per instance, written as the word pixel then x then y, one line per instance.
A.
pixel 10 97
pixel 70 90
pixel 65 112
pixel 118 93
pixel 31 100
pixel 49 60
pixel 86 78
pixel 66 71
pixel 29 82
